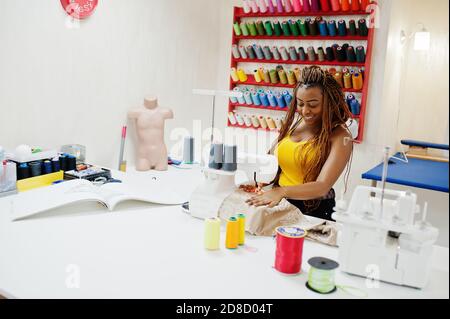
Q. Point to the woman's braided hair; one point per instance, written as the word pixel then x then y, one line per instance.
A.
pixel 335 113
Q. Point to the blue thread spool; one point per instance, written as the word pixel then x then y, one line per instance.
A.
pixel 272 100
pixel 23 171
pixel 355 107
pixel 287 97
pixel 348 99
pixel 264 99
pixel 35 169
pixel 332 28
pixel 255 99
pixel 342 28
pixel 280 100
pixel 47 167
pixel 248 98
pixel 323 28
pixel 55 164
pixel 269 92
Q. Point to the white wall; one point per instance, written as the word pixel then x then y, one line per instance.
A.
pixel 61 85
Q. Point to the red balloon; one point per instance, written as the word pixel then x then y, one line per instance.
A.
pixel 79 9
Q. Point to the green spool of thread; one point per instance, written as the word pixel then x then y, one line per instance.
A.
pixel 260 28
pixel 237 29
pixel 277 28
pixel 282 76
pixel 303 27
pixel 273 76
pixel 352 28
pixel 294 28
pixel 286 29
pixel 269 28
pixel 321 275
pixel 252 28
pixel 244 29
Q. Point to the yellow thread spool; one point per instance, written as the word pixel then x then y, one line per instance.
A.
pixel 291 78
pixel 232 235
pixel 123 166
pixel 241 221
pixel 282 75
pixel 298 74
pixel 357 81
pixel 257 76
pixel 270 123
pixel 261 73
pixel 212 233
pixel 347 81
pixel 241 74
pixel 338 78
pixel 234 75
pixel 262 121
pixel 266 76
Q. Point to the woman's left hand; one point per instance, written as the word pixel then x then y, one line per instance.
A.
pixel 270 198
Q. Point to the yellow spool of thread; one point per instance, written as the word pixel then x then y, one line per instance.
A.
pixel 262 121
pixel 123 166
pixel 241 221
pixel 232 234
pixel 357 81
pixel 234 75
pixel 242 76
pixel 291 78
pixel 271 123
pixel 278 123
pixel 347 81
pixel 266 76
pixel 257 76
pixel 255 121
pixel 338 77
pixel 282 76
pixel 261 72
pixel 247 120
pixel 298 74
pixel 212 233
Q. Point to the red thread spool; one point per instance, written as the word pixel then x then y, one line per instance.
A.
pixel 288 256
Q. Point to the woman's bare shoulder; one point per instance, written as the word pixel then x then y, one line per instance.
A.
pixel 340 133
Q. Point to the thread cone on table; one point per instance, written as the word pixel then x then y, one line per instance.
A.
pixel 212 234
pixel 232 233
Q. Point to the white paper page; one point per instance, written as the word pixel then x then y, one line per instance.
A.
pixel 45 198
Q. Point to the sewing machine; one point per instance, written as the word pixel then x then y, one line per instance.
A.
pixel 380 239
pixel 207 198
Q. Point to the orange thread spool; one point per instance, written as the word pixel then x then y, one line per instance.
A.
pixel 355 5
pixel 232 233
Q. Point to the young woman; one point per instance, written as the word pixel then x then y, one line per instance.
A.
pixel 314 146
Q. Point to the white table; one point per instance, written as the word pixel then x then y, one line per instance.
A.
pixel 151 251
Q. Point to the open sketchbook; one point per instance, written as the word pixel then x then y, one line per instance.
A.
pixel 39 200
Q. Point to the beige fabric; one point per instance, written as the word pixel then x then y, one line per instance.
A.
pixel 262 221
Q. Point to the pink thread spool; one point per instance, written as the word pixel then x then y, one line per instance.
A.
pixel 288 5
pixel 253 6
pixel 297 5
pixel 306 6
pixel 262 6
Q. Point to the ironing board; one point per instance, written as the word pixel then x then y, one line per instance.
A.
pixel 418 173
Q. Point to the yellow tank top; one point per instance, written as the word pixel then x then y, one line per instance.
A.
pixel 288 153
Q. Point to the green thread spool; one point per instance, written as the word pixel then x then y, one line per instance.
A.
pixel 252 28
pixel 277 28
pixel 244 29
pixel 260 28
pixel 273 76
pixel 303 28
pixel 286 29
pixel 269 28
pixel 237 29
pixel 294 28
pixel 352 27
pixel 321 275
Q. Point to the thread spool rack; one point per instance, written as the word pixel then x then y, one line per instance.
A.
pixel 273 40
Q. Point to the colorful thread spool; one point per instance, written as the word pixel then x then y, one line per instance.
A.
pixel 244 29
pixel 255 99
pixel 264 100
pixel 360 54
pixel 273 76
pixel 279 6
pixel 251 53
pixel 271 7
pixel 241 217
pixel 47 167
pixel 315 7
pixel 297 73
pixel 277 28
pixel 297 5
pixel 323 30
pixel 355 107
pixel 270 123
pixel 357 81
pixel 352 27
pixel 280 100
pixel 325 5
pixel 232 233
pixel 345 5
pixel 246 6
pixel 282 76
pixel 362 28
pixel 335 5
pixel 262 6
pixel 243 52
pixel 294 28
pixel 347 81
pixel 255 121
pixel 239 119
pixel 276 53
pixel 306 6
pixel 257 76
pixel 289 249
pixel 284 54
pixel 342 28
pixel 267 53
pixel 212 234
pixel 321 275
pixel 253 6
pixel 237 29
pixel 234 75
pixel 301 54
pixel 55 164
pixel 272 100
pixel 241 75
pixel 291 77
pixel 303 26
pixel 332 30
pixel 232 118
pixel 355 5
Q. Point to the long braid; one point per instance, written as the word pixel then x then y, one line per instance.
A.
pixel 335 113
